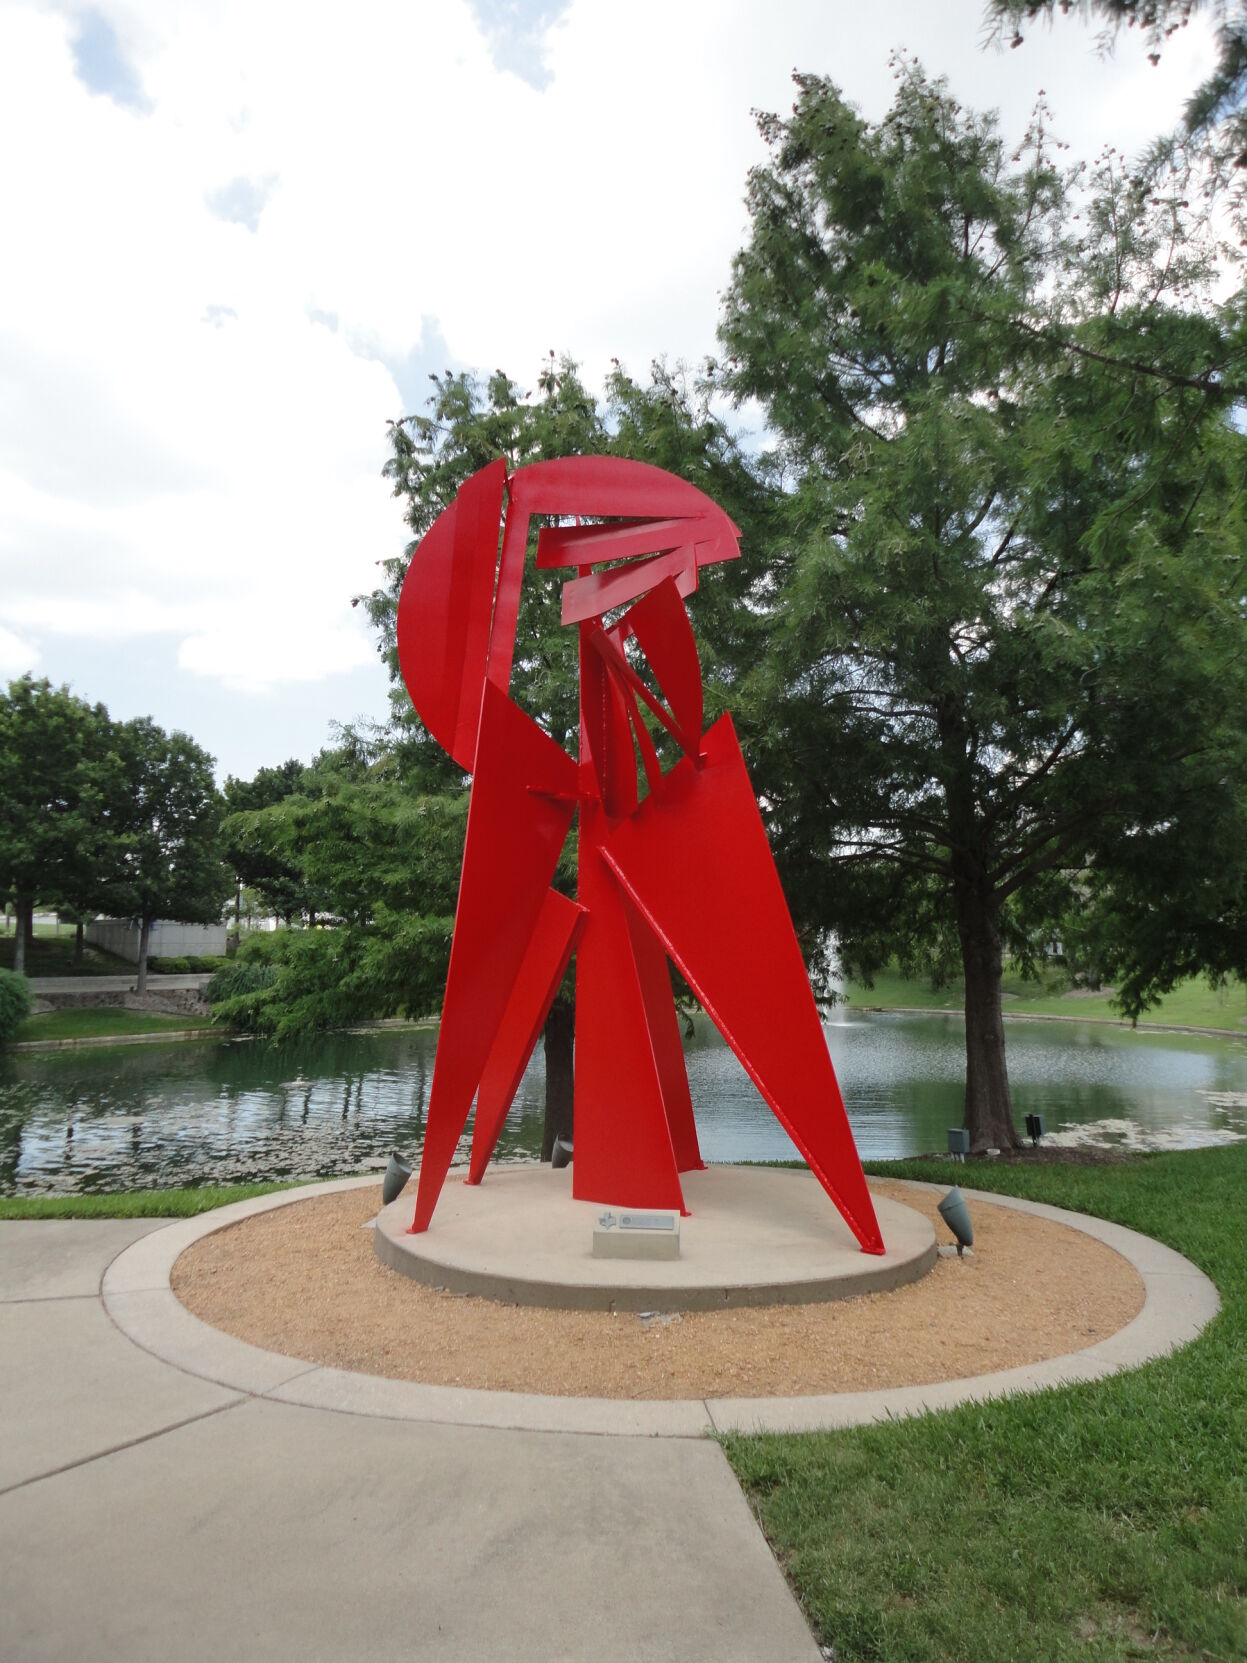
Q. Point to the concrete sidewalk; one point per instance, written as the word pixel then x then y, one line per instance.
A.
pixel 146 1513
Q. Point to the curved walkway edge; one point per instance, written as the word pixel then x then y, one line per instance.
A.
pixel 1179 1302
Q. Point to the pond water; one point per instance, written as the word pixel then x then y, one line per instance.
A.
pixel 234 1111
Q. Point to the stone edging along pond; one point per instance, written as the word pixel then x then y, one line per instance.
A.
pixel 164 1036
pixel 391 1024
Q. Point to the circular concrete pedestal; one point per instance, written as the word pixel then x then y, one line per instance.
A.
pixel 754 1236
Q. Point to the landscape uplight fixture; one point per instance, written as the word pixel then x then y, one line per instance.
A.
pixel 958 1142
pixel 1034 1128
pixel 560 1154
pixel 396 1176
pixel 956 1215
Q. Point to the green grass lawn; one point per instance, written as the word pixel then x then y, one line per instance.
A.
pixel 183 1203
pixel 1192 1004
pixel 100 1021
pixel 51 955
pixel 1095 1522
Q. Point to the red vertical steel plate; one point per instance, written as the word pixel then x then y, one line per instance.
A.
pixel 549 952
pixel 662 630
pixel 664 1033
pixel 515 834
pixel 696 862
pixel 624 1154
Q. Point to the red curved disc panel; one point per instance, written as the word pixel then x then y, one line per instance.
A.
pixel 444 613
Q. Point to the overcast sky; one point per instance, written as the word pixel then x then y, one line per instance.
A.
pixel 237 236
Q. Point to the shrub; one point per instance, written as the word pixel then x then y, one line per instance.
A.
pixel 238 978
pixel 14 1004
pixel 185 964
pixel 294 982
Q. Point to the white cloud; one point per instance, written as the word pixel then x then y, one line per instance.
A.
pixel 230 651
pixel 16 656
pixel 209 279
pixel 181 443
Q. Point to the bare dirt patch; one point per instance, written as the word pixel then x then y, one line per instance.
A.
pixel 303 1280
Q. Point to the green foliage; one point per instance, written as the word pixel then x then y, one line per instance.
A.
pixel 276 881
pixel 1105 1520
pixel 1212 140
pixel 14 1004
pixel 240 977
pixel 1167 899
pixel 1006 630
pixel 53 956
pixel 61 782
pixel 103 816
pixel 185 964
pixel 381 859
pixel 171 859
pixel 310 979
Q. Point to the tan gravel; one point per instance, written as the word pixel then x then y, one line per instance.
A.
pixel 303 1280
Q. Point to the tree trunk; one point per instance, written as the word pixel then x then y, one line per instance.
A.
pixel 560 1032
pixel 79 941
pixel 19 939
pixel 145 935
pixel 30 923
pixel 989 1104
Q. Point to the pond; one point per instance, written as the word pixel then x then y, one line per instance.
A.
pixel 237 1110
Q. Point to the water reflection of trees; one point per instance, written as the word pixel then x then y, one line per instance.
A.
pixel 215 1111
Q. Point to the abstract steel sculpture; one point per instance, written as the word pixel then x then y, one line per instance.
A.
pixel 682 870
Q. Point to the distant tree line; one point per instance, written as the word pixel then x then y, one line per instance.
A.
pixel 99 816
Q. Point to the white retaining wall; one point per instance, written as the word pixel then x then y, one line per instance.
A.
pixel 167 941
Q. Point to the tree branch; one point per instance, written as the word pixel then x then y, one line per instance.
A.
pixel 1200 383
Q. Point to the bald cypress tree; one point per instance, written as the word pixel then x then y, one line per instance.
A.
pixel 1006 615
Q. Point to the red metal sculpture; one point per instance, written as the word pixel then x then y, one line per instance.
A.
pixel 682 869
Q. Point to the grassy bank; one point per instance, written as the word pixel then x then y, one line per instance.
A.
pixel 1192 1004
pixel 102 1021
pixel 51 955
pixel 1101 1521
pixel 184 1203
